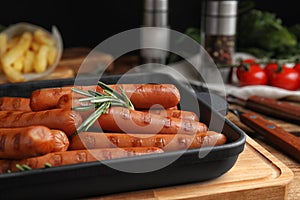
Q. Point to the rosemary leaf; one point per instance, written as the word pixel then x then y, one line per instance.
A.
pixel 113 94
pixel 48 165
pixel 91 120
pixel 19 167
pixel 105 87
pixel 86 99
pixel 81 92
pixel 26 167
pixel 106 99
pixel 84 108
pixel 117 104
pixel 94 93
pixel 127 100
pixel 93 117
pixel 109 90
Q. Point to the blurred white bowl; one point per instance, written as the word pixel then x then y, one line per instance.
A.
pixel 17 29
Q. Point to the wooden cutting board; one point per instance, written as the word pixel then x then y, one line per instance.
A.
pixel 81 59
pixel 257 174
pixel 77 59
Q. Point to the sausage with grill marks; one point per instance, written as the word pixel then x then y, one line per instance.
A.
pixel 167 142
pixel 76 156
pixel 24 142
pixel 62 119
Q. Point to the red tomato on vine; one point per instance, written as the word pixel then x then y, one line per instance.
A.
pixel 270 68
pixel 251 73
pixel 285 77
pixel 297 66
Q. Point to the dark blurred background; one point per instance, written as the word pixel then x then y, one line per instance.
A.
pixel 85 23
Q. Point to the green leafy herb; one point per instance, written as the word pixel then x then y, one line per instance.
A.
pixel 260 33
pixel 193 33
pixel 263 34
pixel 100 101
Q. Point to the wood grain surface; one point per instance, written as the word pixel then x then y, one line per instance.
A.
pixel 293 192
pixel 257 174
pixel 285 141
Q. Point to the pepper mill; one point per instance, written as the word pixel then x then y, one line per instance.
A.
pixel 155 15
pixel 219 29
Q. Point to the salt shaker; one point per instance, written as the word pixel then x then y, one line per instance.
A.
pixel 219 30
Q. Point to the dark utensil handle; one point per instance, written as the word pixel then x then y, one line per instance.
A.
pixel 273 134
pixel 274 108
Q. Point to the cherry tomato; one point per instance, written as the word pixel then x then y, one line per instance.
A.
pixel 297 68
pixel 251 74
pixel 286 78
pixel 269 69
pixel 249 61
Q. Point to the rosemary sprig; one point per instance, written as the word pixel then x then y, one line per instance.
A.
pixel 100 101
